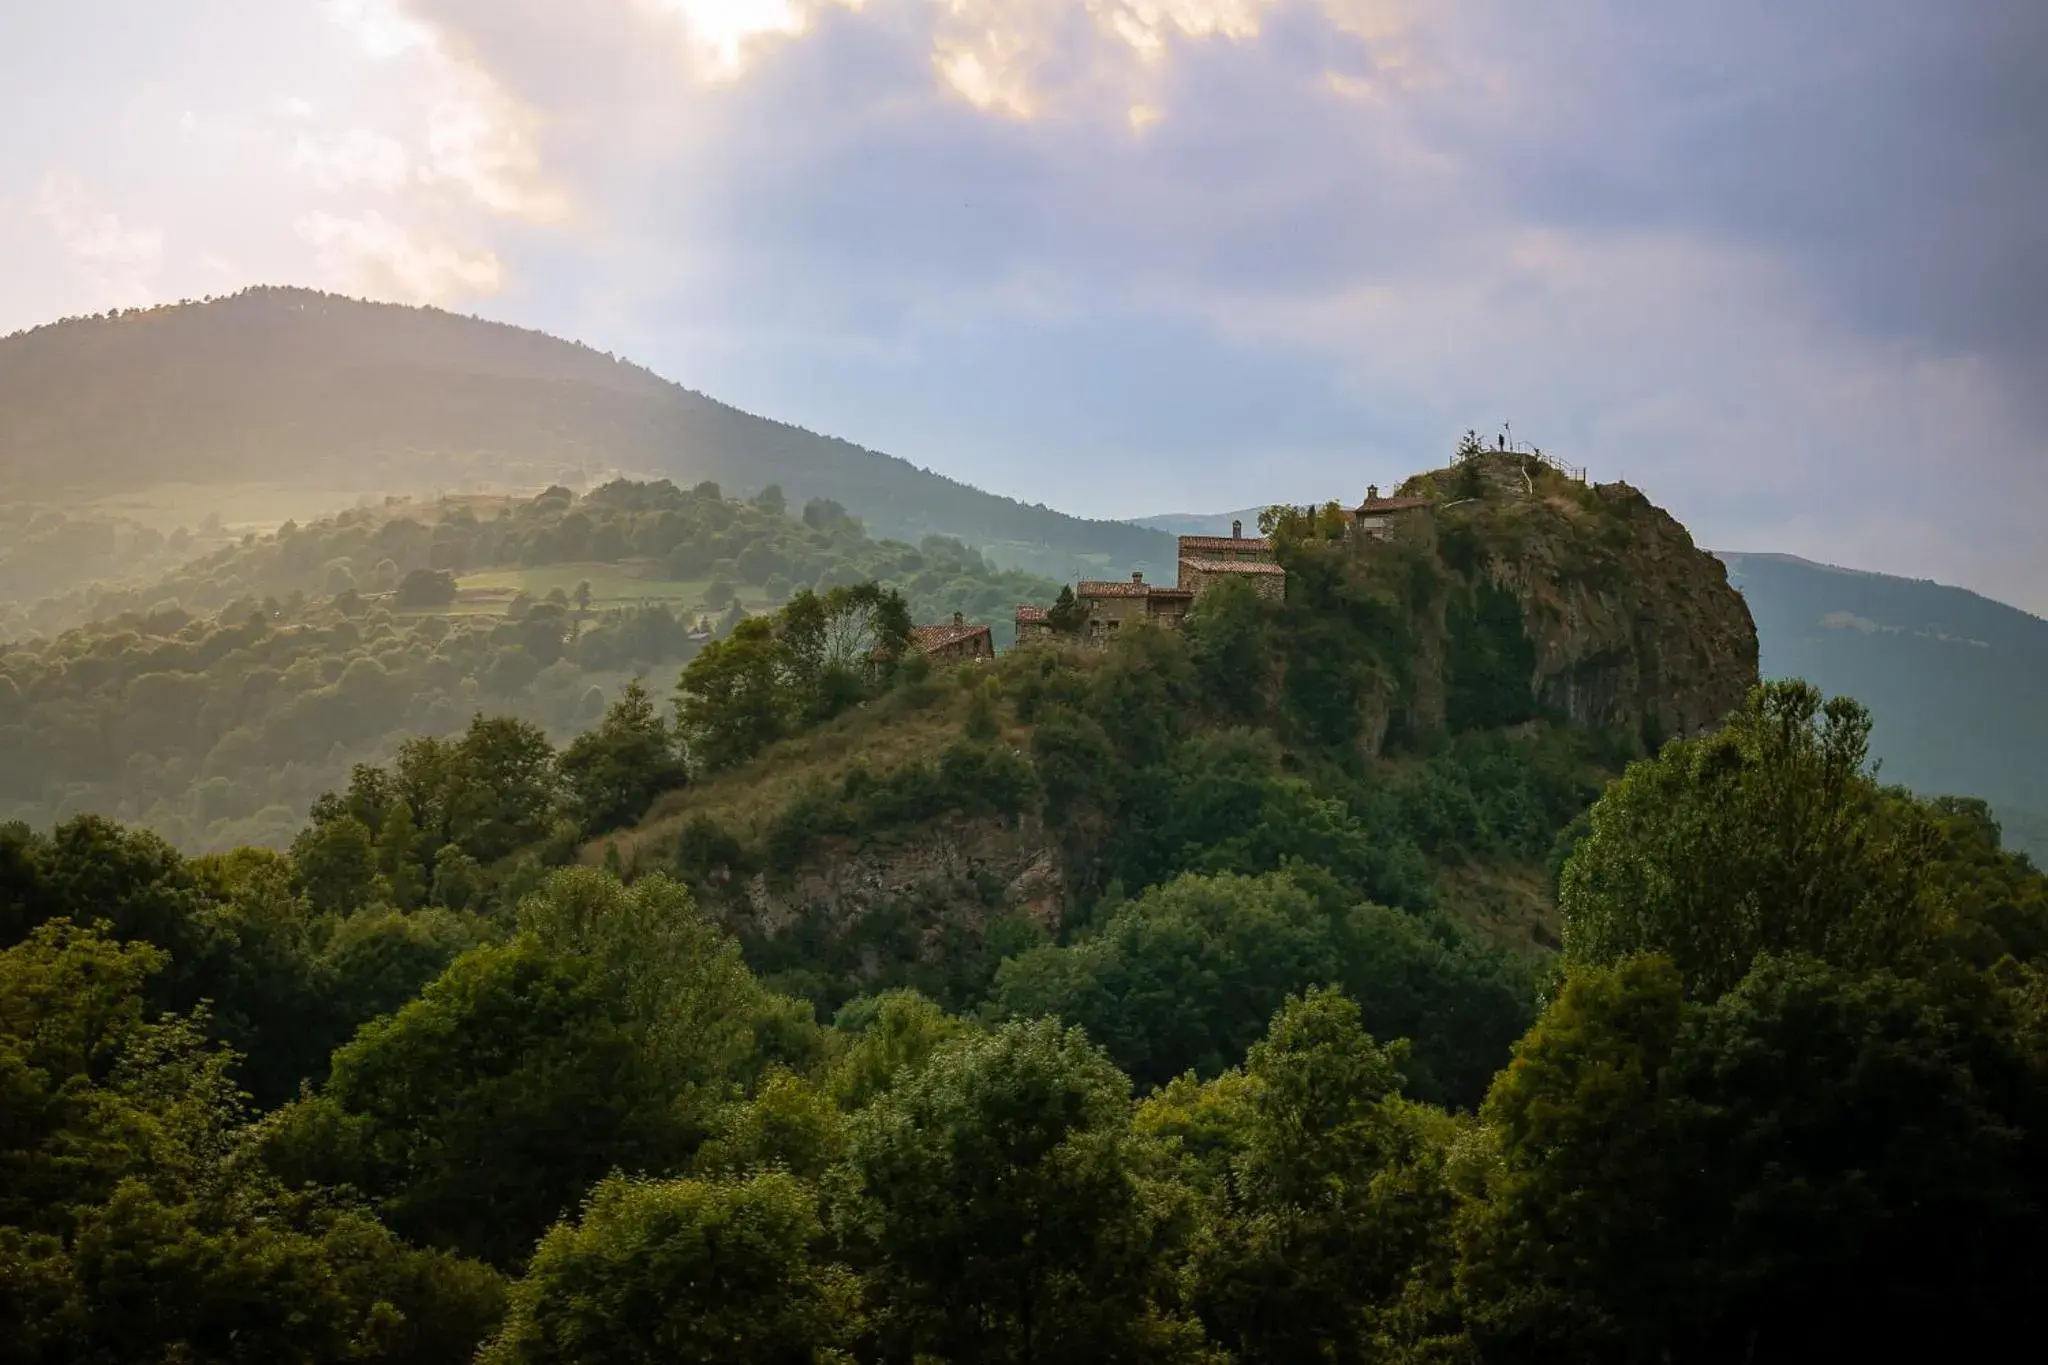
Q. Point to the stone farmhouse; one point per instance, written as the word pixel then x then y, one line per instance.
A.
pixel 959 642
pixel 1033 624
pixel 1378 518
pixel 1114 605
pixel 1208 560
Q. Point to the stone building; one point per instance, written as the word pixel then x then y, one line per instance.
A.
pixel 1379 518
pixel 955 643
pixel 1114 605
pixel 1207 560
pixel 1033 623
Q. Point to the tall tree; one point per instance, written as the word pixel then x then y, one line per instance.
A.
pixel 612 773
pixel 697 1272
pixel 998 1198
pixel 1770 836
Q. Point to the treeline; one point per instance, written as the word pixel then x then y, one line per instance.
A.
pixel 218 732
pixel 49 551
pixel 1785 1097
pixel 667 533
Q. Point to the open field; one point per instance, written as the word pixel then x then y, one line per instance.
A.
pixel 611 585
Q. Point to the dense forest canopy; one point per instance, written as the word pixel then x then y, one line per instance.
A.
pixel 382 398
pixel 1460 958
pixel 215 702
pixel 423 1088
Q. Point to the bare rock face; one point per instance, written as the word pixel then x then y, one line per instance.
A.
pixel 924 893
pixel 1628 625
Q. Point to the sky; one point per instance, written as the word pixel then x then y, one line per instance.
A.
pixel 1784 267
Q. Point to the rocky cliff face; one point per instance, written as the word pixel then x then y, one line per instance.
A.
pixel 927 894
pixel 1627 624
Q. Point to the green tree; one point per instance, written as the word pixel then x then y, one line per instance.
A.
pixel 426 588
pixel 1812 1163
pixel 894 1034
pixel 997 1196
pixel 506 788
pixel 604 1034
pixel 337 863
pixel 1066 615
pixel 129 1229
pixel 1334 1202
pixel 1226 636
pixel 613 773
pixel 1769 836
pixel 731 702
pixel 682 1271
pixel 478 1113
pixel 398 857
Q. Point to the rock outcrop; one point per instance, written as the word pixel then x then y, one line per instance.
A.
pixel 1629 625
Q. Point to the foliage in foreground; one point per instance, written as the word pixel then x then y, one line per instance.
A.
pixel 574 1125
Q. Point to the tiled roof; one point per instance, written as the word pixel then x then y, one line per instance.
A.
pixel 1224 543
pixel 1231 566
pixel 1394 504
pixel 929 638
pixel 1025 615
pixel 1117 587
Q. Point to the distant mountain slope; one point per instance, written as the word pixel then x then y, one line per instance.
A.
pixel 289 385
pixel 1955 681
pixel 1200 523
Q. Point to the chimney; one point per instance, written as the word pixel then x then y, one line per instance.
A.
pixel 1237 530
pixel 959 618
pixel 1137 577
pixel 1372 492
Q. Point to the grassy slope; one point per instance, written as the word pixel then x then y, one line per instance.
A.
pixel 1508 901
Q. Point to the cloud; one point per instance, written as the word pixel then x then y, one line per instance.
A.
pixel 1778 265
pixel 372 255
pixel 359 157
pixel 120 260
pixel 472 135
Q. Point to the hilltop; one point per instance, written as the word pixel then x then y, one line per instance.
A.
pixel 1423 714
pixel 292 386
pixel 1952 678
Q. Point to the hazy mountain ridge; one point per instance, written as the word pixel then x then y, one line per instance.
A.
pixel 280 382
pixel 1952 678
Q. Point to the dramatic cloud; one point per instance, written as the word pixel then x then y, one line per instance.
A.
pixel 1778 265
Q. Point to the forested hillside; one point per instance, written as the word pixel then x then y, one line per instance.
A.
pixel 1419 718
pixel 215 703
pixel 416 1091
pixel 1952 679
pixel 287 384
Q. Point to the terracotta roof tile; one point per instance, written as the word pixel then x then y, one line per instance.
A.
pixel 1029 614
pixel 929 638
pixel 1232 566
pixel 1394 504
pixel 1224 543
pixel 1118 587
